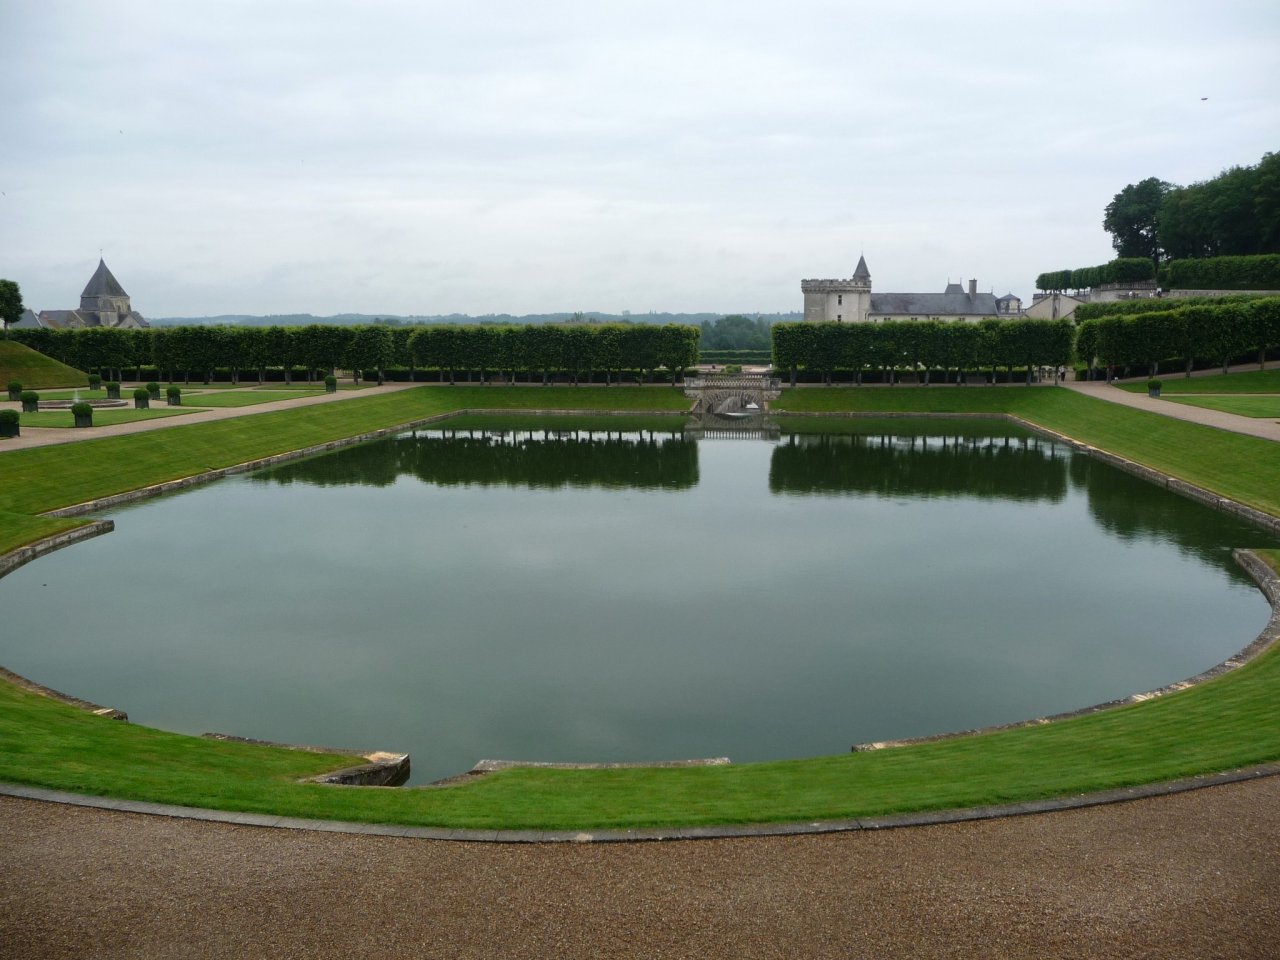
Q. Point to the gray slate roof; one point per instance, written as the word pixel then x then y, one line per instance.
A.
pixel 862 273
pixel 103 284
pixel 950 304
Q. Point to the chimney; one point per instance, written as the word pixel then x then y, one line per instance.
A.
pixel 973 288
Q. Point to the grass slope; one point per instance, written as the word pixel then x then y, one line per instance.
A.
pixel 1245 406
pixel 1243 381
pixel 101 418
pixel 1231 721
pixel 34 370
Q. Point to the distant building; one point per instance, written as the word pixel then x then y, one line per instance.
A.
pixel 852 301
pixel 102 304
pixel 1054 306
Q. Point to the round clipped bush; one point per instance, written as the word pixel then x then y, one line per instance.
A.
pixel 8 423
pixel 142 399
pixel 153 389
pixel 30 401
pixel 83 414
pixel 95 381
pixel 331 383
pixel 113 389
pixel 15 390
pixel 174 396
pixel 1153 387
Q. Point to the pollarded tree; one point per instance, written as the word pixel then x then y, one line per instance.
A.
pixel 370 347
pixel 678 348
pixel 1263 323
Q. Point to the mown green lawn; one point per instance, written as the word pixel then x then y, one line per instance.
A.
pixel 101 418
pixel 1244 381
pixel 242 398
pixel 1229 722
pixel 1244 406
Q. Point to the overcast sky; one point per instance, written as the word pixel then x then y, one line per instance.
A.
pixel 432 157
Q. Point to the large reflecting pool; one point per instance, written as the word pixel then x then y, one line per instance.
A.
pixel 558 592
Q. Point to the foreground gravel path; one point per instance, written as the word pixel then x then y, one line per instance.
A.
pixel 1191 876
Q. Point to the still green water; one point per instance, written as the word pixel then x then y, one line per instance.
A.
pixel 556 592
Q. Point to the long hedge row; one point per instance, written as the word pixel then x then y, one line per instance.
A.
pixel 568 352
pixel 1114 308
pixel 1259 272
pixel 920 344
pixel 1120 270
pixel 1217 332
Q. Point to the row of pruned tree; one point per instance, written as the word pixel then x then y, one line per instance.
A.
pixel 1183 335
pixel 925 345
pixel 534 350
pixel 1122 270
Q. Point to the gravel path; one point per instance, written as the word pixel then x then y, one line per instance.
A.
pixel 1189 876
pixel 1253 426
pixel 49 436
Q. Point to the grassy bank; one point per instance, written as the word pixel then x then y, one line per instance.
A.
pixel 1245 406
pixel 1242 381
pixel 1226 723
pixel 34 370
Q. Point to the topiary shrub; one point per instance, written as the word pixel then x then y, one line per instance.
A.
pixel 174 396
pixel 1153 387
pixel 331 384
pixel 113 389
pixel 153 390
pixel 95 381
pixel 142 398
pixel 83 414
pixel 15 390
pixel 8 423
pixel 30 401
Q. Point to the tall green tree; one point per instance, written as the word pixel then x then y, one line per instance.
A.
pixel 1131 218
pixel 10 303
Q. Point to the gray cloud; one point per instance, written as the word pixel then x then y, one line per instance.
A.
pixel 436 157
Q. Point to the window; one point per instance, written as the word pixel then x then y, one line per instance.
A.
pixel 839 317
pixel 839 299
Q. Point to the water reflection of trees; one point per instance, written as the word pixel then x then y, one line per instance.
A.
pixel 539 459
pixel 1011 468
pixel 1132 509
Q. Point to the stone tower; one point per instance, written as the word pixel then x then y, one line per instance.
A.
pixel 839 300
pixel 104 296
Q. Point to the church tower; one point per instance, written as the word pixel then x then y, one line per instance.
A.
pixel 104 296
pixel 841 301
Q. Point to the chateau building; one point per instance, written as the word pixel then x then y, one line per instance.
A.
pixel 102 304
pixel 852 301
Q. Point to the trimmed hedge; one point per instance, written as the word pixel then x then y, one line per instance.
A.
pixel 921 346
pixel 1261 272
pixel 1115 308
pixel 1120 270
pixel 1216 332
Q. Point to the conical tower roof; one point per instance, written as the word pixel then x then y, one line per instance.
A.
pixel 103 284
pixel 862 273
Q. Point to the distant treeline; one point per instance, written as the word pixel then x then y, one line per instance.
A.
pixel 570 352
pixel 457 319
